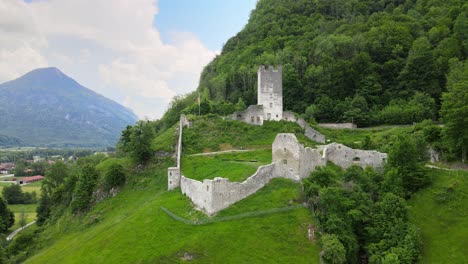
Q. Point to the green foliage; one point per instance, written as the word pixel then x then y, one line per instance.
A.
pixel 404 162
pixel 84 189
pixel 440 212
pixel 114 177
pixel 55 176
pixel 7 218
pixel 19 247
pixel 455 109
pixel 333 251
pixel 334 52
pixel 400 111
pixel 44 209
pixel 355 207
pixel 211 133
pixel 13 194
pixel 135 141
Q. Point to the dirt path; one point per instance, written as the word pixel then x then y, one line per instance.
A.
pixel 225 151
pixel 14 233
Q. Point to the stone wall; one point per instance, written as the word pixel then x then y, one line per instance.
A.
pixel 338 125
pixel 289 116
pixel 345 157
pixel 215 195
pixel 200 193
pixel 289 160
pixel 310 132
pixel 253 115
pixel 289 154
pixel 173 173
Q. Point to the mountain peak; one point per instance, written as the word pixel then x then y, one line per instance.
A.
pixel 45 73
pixel 46 107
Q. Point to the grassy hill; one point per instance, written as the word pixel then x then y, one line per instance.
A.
pixel 441 212
pixel 132 228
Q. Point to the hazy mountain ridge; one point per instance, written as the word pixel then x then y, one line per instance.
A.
pixel 47 108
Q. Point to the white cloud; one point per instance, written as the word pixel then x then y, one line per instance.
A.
pixel 109 46
pixel 20 41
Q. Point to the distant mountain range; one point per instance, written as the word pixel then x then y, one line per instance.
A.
pixel 45 107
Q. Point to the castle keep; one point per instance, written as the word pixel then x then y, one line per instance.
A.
pixel 270 92
pixel 269 99
pixel 270 103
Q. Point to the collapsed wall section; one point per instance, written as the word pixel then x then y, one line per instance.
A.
pixel 290 155
pixel 346 157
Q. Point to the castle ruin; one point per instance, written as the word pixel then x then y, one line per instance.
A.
pixel 290 160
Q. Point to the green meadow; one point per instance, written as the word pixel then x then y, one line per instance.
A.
pixel 132 228
pixel 236 166
pixel 441 213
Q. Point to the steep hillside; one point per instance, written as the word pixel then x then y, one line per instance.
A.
pixel 371 62
pixel 47 108
pixel 440 211
pixel 132 228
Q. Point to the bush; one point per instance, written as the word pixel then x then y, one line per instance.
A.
pixel 84 189
pixel 13 194
pixel 7 218
pixel 115 177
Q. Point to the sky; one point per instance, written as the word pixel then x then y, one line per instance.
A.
pixel 140 53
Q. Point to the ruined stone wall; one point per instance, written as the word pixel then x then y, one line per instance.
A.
pixel 253 115
pixel 345 157
pixel 338 125
pixel 270 92
pixel 289 116
pixel 290 155
pixel 199 192
pixel 310 132
pixel 287 152
pixel 173 173
pixel 214 195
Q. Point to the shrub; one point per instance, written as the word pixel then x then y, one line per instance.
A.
pixel 114 177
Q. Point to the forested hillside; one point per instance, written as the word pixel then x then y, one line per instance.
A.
pixel 362 60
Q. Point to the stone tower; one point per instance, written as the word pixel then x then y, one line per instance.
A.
pixel 270 92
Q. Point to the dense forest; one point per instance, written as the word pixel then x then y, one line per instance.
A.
pixel 344 59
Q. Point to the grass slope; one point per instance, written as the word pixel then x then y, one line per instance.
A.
pixel 131 228
pixel 213 133
pixel 234 166
pixel 441 212
pixel 29 211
